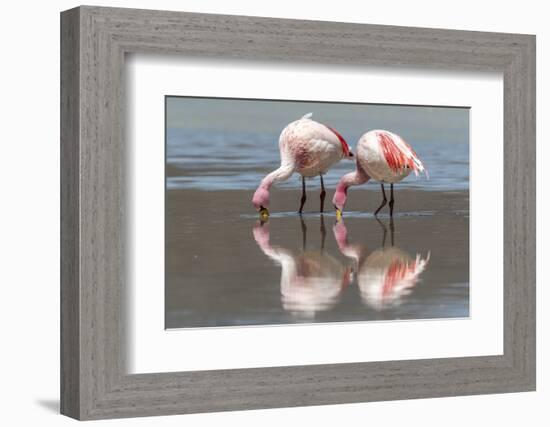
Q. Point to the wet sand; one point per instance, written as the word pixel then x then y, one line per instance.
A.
pixel 224 269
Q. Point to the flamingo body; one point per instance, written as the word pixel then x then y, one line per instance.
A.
pixel 386 157
pixel 307 147
pixel 311 148
pixel 386 275
pixel 311 281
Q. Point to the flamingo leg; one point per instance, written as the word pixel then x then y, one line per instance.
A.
pixel 304 233
pixel 303 199
pixel 392 230
pixel 323 194
pixel 385 232
pixel 391 200
pixel 384 201
pixel 323 234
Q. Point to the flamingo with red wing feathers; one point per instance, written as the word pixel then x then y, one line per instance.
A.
pixel 384 157
pixel 309 148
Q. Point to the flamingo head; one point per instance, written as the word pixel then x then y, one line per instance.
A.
pixel 260 200
pixel 339 200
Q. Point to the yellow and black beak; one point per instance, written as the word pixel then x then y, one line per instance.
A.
pixel 264 213
pixel 338 214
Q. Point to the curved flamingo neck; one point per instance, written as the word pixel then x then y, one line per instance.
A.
pixel 341 236
pixel 280 174
pixel 357 177
pixel 353 251
pixel 353 178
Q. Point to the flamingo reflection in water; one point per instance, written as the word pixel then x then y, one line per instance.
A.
pixel 311 280
pixel 385 276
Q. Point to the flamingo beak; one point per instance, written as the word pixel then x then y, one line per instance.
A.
pixel 264 213
pixel 338 214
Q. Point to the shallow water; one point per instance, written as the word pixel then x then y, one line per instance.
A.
pixel 348 214
pixel 225 268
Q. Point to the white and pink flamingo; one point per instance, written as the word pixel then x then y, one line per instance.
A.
pixel 384 157
pixel 311 281
pixel 385 276
pixel 309 148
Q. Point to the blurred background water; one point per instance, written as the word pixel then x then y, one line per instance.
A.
pixel 227 144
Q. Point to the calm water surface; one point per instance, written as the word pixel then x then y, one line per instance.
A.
pixel 230 269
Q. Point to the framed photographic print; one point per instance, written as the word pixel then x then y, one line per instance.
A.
pixel 263 213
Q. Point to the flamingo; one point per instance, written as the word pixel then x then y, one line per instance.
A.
pixel 384 157
pixel 309 148
pixel 385 276
pixel 311 281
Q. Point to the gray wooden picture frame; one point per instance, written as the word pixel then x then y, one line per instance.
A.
pixel 94 41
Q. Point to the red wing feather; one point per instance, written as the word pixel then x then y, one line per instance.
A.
pixel 345 146
pixel 399 155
